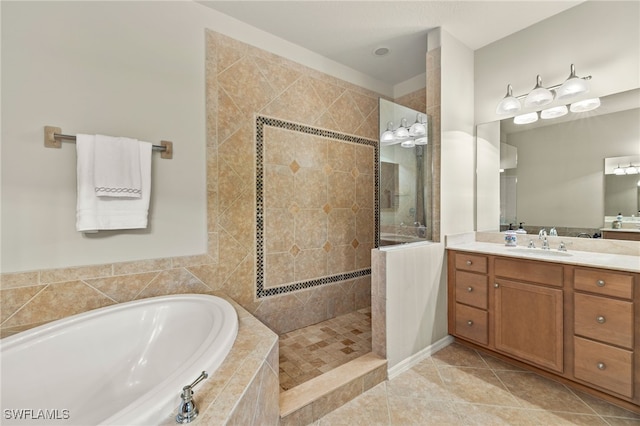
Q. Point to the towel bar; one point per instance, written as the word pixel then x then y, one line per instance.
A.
pixel 53 138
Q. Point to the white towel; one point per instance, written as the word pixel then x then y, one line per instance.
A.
pixel 116 165
pixel 95 213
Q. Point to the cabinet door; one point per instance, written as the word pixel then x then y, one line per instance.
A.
pixel 528 323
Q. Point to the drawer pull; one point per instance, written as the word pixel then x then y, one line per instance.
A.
pixel 600 283
pixel 469 323
pixel 469 263
pixel 469 289
pixel 601 319
pixel 496 285
pixel 601 366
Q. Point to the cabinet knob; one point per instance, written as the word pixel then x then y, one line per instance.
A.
pixel 601 319
pixel 600 283
pixel 601 366
pixel 469 289
pixel 469 263
pixel 496 285
pixel 469 323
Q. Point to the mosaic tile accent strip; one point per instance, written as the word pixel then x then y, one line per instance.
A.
pixel 282 175
pixel 311 351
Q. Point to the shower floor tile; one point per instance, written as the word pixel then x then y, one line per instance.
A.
pixel 311 351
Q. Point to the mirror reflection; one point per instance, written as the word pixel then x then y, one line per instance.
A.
pixel 405 175
pixel 552 172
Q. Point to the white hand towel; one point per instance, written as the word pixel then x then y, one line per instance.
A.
pixel 116 165
pixel 97 213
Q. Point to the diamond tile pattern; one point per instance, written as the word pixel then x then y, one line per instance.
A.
pixel 460 386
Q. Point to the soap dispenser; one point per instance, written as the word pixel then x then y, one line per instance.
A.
pixel 520 229
pixel 510 239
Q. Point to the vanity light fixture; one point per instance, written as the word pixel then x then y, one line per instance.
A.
pixel 554 112
pixel 631 170
pixel 585 105
pixel 530 117
pixel 406 136
pixel 573 86
pixel 387 136
pixel 619 170
pixel 541 96
pixel 401 132
pixel 509 104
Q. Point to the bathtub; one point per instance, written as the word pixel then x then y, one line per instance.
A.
pixel 124 364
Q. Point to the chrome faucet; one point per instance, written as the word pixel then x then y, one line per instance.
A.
pixel 187 411
pixel 542 235
pixel 563 246
pixel 545 243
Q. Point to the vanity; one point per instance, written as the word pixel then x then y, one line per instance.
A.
pixel 570 316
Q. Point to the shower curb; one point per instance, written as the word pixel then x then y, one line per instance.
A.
pixel 317 397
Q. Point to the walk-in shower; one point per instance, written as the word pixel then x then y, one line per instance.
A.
pixel 405 175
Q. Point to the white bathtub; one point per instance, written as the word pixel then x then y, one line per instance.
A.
pixel 121 365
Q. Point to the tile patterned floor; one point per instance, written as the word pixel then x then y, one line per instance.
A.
pixel 310 351
pixel 459 386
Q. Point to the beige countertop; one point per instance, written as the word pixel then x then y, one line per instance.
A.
pixel 607 260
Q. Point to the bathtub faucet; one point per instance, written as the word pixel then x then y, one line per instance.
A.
pixel 187 411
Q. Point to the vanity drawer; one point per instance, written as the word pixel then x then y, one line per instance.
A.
pixel 471 262
pixel 471 289
pixel 604 366
pixel 604 282
pixel 533 271
pixel 471 323
pixel 607 320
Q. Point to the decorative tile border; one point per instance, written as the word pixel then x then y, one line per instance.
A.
pixel 262 121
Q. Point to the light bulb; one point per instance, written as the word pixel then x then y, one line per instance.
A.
pixel 585 105
pixel 554 112
pixel 531 117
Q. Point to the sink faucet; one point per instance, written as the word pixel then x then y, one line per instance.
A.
pixel 545 243
pixel 542 235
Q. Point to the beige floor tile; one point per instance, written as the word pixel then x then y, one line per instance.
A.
pixel 369 409
pixel 534 391
pixel 458 355
pixel 424 383
pixel 411 411
pixel 476 385
pixel 604 408
pixel 620 421
pixel 481 415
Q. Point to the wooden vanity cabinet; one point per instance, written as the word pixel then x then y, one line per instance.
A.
pixel 578 324
pixel 469 318
pixel 604 330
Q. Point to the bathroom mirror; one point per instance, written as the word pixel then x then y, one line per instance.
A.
pixel 622 187
pixel 389 186
pixel 558 178
pixel 405 175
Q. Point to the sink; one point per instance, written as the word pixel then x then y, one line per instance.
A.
pixel 539 252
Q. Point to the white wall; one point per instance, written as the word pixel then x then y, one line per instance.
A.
pixel 457 123
pixel 118 68
pixel 416 305
pixel 601 38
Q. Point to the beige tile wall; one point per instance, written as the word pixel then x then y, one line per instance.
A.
pixel 242 82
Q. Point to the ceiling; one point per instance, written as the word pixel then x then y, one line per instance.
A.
pixel 348 31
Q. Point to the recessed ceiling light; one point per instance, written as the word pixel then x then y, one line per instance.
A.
pixel 381 51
